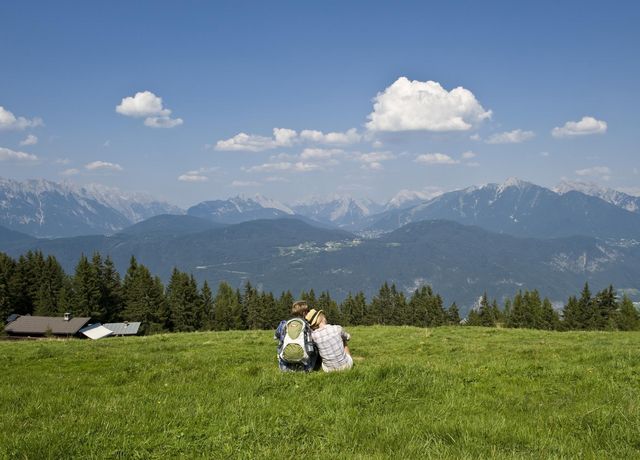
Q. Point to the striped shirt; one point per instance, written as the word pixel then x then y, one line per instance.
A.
pixel 330 341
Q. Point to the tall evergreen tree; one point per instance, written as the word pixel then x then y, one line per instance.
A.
pixel 184 303
pixel 86 291
pixel 7 300
pixel 144 299
pixel 225 304
pixel 627 317
pixel 206 298
pixel 453 315
pixel 47 302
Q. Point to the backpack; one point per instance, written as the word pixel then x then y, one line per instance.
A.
pixel 297 346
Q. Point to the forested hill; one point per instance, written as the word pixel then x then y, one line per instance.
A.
pixel 460 262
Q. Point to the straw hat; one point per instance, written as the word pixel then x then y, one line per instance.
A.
pixel 313 316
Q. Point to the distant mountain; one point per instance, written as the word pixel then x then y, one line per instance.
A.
pixel 11 237
pixel 170 225
pixel 407 199
pixel 338 211
pixel 522 209
pixel 49 209
pixel 240 209
pixel 460 262
pixel 622 200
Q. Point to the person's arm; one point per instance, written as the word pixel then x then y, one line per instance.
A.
pixel 345 335
pixel 278 333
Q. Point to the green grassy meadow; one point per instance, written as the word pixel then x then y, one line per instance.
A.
pixel 415 393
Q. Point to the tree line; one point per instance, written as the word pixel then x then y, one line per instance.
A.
pixel 35 284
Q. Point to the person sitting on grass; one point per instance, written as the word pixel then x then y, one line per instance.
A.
pixel 331 341
pixel 296 350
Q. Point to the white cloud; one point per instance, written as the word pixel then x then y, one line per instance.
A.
pixel 473 164
pixel 586 126
pixel 191 176
pixel 320 154
pixel 282 137
pixel 348 137
pixel 162 122
pixel 544 154
pixel 9 121
pixel 12 155
pixel 435 159
pixel 602 172
pixel 511 137
pixel 469 155
pixel 70 172
pixel 147 105
pixel 103 166
pixel 198 175
pixel 475 137
pixel 30 140
pixel 373 160
pixel 426 106
pixel 62 161
pixel 243 183
pixel 298 166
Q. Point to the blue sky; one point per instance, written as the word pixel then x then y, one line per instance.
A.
pixel 196 74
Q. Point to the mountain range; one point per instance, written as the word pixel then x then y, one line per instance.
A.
pixel 495 237
pixel 49 209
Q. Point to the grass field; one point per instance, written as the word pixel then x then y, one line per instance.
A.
pixel 446 392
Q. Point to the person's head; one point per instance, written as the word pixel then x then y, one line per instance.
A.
pixel 316 318
pixel 299 308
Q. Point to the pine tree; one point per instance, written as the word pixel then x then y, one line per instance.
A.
pixel 381 306
pixel 225 304
pixel 283 305
pixel 7 301
pixel 111 286
pixel 206 299
pixel 627 317
pixel 604 308
pixel 585 308
pixel 183 303
pixel 486 313
pixel 253 308
pixel 330 308
pixel 571 315
pixel 86 291
pixel 453 315
pixel 51 282
pixel 144 299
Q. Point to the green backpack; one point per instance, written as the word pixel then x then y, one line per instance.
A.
pixel 297 345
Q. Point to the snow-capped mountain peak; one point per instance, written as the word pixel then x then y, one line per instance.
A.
pixel 615 197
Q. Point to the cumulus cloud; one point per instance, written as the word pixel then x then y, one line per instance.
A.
pixel 425 106
pixel 162 122
pixel 469 155
pixel 320 154
pixel 282 137
pixel 435 159
pixel 102 166
pixel 350 136
pixel 197 175
pixel 586 126
pixel 511 137
pixel 373 160
pixel 603 172
pixel 8 121
pixel 29 140
pixel 147 105
pixel 70 172
pixel 12 155
pixel 298 166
